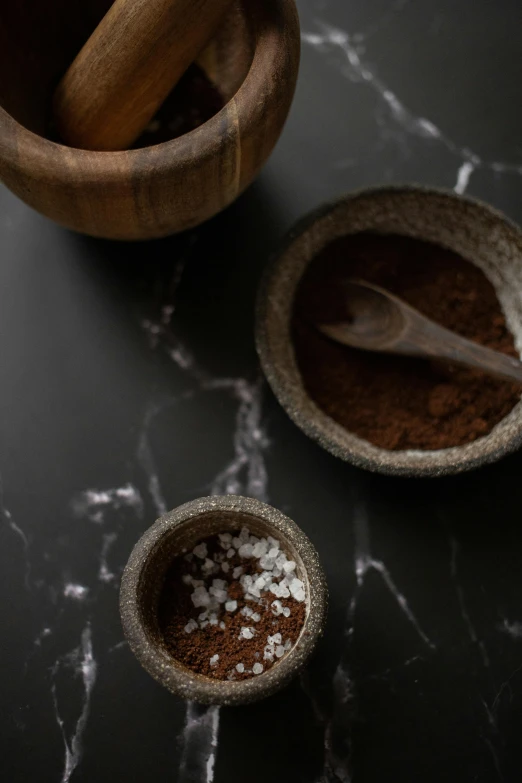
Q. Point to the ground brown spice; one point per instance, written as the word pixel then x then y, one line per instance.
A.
pixel 401 402
pixel 196 649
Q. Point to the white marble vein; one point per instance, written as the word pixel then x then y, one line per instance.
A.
pixel 454 547
pixel 81 661
pixel 93 503
pixel 104 572
pixel 6 517
pixel 364 563
pixel 75 591
pixel 331 41
pixel 513 629
pixel 200 741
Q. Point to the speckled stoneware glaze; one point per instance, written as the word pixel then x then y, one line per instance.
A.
pixel 477 232
pixel 144 577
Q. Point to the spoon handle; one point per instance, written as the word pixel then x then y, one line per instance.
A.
pixel 423 337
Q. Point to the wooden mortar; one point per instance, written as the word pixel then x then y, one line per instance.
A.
pixel 154 191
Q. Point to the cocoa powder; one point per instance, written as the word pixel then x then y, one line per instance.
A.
pixel 195 642
pixel 401 402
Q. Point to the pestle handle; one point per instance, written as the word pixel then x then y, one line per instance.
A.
pixel 127 68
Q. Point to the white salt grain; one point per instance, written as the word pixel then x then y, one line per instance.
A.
pixel 236 573
pixel 213 620
pixel 280 651
pixel 288 645
pixel 281 560
pixel 200 597
pixel 219 583
pixel 275 639
pixel 225 567
pixel 277 607
pixel 236 542
pixel 273 553
pixel 266 562
pixel 187 579
pixel 244 534
pixel 247 633
pixel 260 549
pixel 222 625
pixel 240 667
pixel 201 550
pixel 225 539
pixel 286 611
pixel 289 566
pixel 247 611
pixel 231 552
pixel 245 550
pixel 260 583
pixel 214 660
pixel 257 668
pixel 256 617
pixel 190 626
pixel 300 595
pixel 231 606
pixel 284 592
pixel 273 542
pixel 295 586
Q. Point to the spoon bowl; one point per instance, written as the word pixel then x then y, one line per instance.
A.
pixel 380 321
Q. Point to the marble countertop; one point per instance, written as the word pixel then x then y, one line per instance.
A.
pixel 130 385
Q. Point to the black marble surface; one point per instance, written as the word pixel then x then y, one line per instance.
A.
pixel 129 384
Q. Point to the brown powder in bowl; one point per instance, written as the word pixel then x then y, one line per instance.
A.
pixel 233 607
pixel 401 402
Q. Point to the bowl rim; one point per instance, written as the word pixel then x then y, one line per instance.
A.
pixel 177 678
pixel 49 157
pixel 286 395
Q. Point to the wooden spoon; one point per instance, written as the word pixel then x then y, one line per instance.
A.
pixel 129 65
pixel 384 323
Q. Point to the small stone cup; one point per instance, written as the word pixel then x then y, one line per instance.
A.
pixel 144 577
pixel 470 228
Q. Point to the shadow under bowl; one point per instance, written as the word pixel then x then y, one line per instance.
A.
pixel 471 229
pixel 144 577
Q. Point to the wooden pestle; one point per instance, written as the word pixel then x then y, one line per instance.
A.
pixel 127 68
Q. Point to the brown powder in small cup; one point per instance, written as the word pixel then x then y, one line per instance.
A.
pixel 233 607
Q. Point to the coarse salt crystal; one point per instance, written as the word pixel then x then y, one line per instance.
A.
pixel 275 590
pixel 284 592
pixel 247 633
pixel 266 562
pixel 288 645
pixel 247 611
pixel 200 597
pixel 273 553
pixel 244 534
pixel 214 660
pixel 225 567
pixel 208 566
pixel 275 639
pixel 240 667
pixel 253 590
pixel 260 549
pixel 245 550
pixel 220 595
pixel 190 626
pixel 280 651
pixel 225 539
pixel 213 620
pixel 295 585
pixel 289 566
pixel 203 616
pixel 281 560
pixel 203 625
pixel 277 571
pixel 236 573
pixel 236 542
pixel 231 606
pixel 273 542
pixel 222 625
pixel 253 540
pixel 277 607
pixel 219 583
pixel 286 611
pixel 231 552
pixel 256 617
pixel 300 595
pixel 187 579
pixel 257 668
pixel 201 550
pixel 260 583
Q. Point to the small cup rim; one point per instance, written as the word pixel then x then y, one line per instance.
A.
pixel 393 463
pixel 180 680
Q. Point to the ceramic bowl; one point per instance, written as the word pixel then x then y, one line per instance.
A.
pixel 144 577
pixel 472 229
